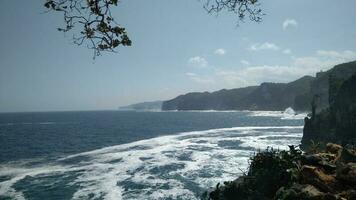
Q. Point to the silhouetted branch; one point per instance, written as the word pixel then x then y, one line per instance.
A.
pixel 99 31
pixel 242 8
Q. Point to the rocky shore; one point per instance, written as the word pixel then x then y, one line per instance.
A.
pixel 317 174
pixel 324 171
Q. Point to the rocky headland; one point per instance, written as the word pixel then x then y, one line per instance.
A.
pixel 269 96
pixel 336 123
pixel 321 170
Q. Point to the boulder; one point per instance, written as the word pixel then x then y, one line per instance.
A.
pixel 312 159
pixel 333 148
pixel 287 194
pixel 315 176
pixel 305 192
pixel 347 155
pixel 323 160
pixel 347 173
pixel 310 191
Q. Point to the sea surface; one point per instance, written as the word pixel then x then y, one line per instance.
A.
pixel 133 155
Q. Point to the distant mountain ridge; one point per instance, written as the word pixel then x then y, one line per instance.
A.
pixel 148 106
pixel 267 96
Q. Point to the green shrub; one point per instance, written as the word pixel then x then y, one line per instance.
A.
pixel 268 171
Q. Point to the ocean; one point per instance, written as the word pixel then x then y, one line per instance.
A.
pixel 133 155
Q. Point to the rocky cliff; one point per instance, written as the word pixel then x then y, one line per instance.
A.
pixel 267 96
pixel 321 172
pixel 326 84
pixel 337 123
pixel 270 96
pixel 219 100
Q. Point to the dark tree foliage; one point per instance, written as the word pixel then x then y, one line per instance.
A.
pixel 95 27
pixel 243 8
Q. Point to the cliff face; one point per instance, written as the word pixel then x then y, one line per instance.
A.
pixel 338 122
pixel 327 84
pixel 270 96
pixel 267 96
pixel 343 111
pixel 279 96
pixel 219 100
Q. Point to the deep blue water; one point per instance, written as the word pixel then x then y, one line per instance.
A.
pixel 132 155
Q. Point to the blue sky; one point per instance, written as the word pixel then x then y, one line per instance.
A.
pixel 177 48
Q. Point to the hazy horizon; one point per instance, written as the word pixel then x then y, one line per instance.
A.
pixel 187 50
pixel 132 103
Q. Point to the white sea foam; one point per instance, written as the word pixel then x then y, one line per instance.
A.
pixel 288 114
pixel 173 166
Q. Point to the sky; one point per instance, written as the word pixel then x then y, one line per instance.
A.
pixel 177 48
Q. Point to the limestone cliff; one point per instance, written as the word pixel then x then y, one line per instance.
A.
pixel 338 122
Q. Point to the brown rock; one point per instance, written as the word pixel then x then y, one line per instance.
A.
pixel 311 192
pixel 347 155
pixel 347 194
pixel 347 173
pixel 333 148
pixel 327 156
pixel 322 160
pixel 312 159
pixel 315 176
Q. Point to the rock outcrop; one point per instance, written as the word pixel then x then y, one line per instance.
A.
pixel 338 122
pixel 293 175
pixel 327 84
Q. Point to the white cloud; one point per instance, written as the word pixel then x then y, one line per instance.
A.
pixel 200 79
pixel 287 51
pixel 247 76
pixel 244 62
pixel 258 74
pixel 324 60
pixel 289 23
pixel 190 74
pixel 254 75
pixel 220 51
pixel 198 61
pixel 263 46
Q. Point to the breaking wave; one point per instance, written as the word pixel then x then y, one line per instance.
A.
pixel 287 114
